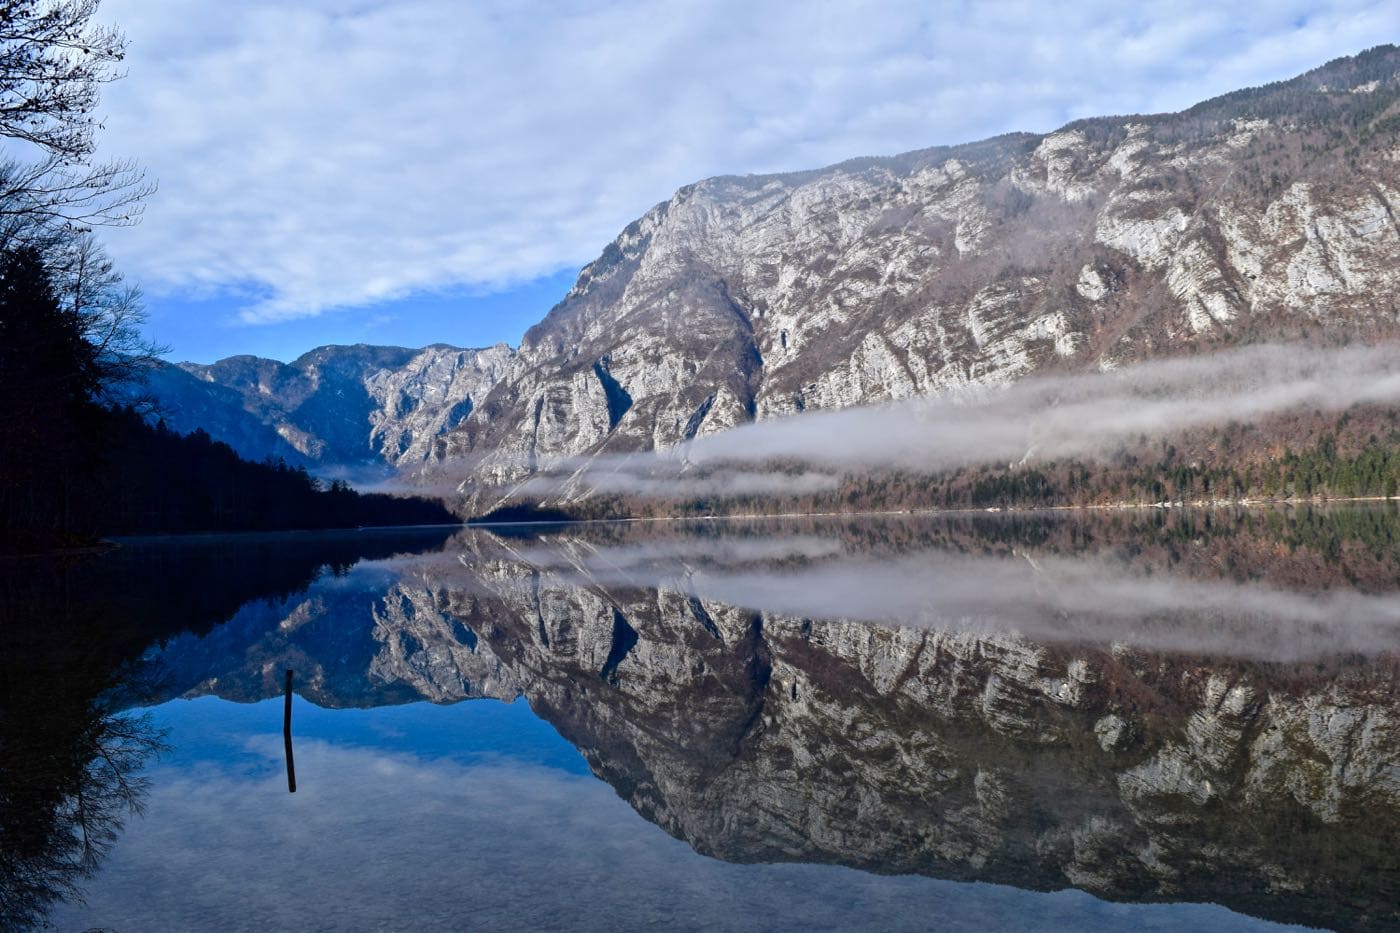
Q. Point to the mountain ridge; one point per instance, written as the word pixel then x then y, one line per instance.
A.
pixel 1262 214
pixel 333 407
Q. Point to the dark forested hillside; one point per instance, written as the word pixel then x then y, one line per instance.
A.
pixel 73 467
pixel 154 480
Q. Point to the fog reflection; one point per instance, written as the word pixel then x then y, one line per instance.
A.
pixel 1095 597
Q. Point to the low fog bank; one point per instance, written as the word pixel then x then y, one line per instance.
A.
pixel 1041 418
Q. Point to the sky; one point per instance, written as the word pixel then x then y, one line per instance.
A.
pixel 416 171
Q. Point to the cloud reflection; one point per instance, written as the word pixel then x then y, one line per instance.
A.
pixel 387 840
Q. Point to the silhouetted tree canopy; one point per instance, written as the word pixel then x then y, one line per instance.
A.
pixel 49 380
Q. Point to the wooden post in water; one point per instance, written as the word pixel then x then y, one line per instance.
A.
pixel 287 735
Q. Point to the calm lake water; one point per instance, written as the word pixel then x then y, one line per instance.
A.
pixel 1128 720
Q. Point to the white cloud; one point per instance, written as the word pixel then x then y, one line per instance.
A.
pixel 340 153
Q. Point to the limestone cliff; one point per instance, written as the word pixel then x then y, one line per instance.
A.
pixel 1264 214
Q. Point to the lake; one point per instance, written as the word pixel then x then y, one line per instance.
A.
pixel 1122 720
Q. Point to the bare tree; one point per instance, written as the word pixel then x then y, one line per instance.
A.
pixel 53 60
pixel 53 63
pixel 109 312
pixel 51 190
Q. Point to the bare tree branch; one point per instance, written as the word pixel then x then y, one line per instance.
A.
pixel 53 62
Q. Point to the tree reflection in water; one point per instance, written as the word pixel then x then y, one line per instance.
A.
pixel 72 633
pixel 70 762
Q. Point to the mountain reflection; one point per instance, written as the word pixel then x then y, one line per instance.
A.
pixel 1186 707
pixel 1148 707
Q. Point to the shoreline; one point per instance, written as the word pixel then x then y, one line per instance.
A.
pixel 1164 506
pixel 107 545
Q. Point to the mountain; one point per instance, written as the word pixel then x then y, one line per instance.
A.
pixel 346 406
pixel 1265 214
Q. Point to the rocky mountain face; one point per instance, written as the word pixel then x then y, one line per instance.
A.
pixel 758 735
pixel 1266 214
pixel 333 407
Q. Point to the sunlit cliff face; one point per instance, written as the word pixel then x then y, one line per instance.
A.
pixel 1205 710
pixel 947 271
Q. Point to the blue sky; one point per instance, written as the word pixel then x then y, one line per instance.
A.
pixel 206 327
pixel 415 171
